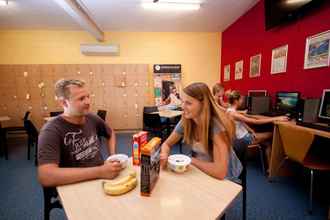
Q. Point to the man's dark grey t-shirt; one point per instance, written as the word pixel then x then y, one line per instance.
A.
pixel 72 145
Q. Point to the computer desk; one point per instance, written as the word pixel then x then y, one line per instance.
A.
pixel 300 140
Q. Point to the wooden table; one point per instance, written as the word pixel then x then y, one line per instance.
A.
pixel 293 135
pixel 191 195
pixel 4 118
pixel 168 113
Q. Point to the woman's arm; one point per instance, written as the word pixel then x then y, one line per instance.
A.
pixel 219 167
pixel 166 147
pixel 258 121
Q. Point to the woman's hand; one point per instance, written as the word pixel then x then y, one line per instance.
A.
pixel 164 156
pixel 281 118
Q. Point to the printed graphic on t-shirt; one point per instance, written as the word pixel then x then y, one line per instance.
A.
pixel 81 147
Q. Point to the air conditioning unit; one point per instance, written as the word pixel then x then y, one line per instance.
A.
pixel 99 49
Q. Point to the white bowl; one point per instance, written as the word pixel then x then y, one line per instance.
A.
pixel 122 158
pixel 178 162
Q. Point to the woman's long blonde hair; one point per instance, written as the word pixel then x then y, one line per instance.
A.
pixel 210 110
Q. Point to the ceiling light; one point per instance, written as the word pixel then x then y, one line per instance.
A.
pixel 172 5
pixel 293 2
pixel 3 2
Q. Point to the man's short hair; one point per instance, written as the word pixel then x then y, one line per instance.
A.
pixel 62 87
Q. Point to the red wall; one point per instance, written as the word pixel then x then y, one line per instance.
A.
pixel 247 37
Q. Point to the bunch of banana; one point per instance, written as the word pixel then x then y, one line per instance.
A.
pixel 121 186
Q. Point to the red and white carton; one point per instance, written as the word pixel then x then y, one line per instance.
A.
pixel 139 140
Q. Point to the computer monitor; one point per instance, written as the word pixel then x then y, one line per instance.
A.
pixel 287 101
pixel 255 93
pixel 324 111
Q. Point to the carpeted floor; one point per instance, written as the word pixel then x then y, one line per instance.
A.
pixel 286 198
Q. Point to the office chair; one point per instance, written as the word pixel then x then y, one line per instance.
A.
pixel 305 150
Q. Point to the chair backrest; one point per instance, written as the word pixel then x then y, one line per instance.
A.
pixel 149 109
pixel 102 114
pixel 151 121
pixel 26 116
pixel 53 114
pixel 31 129
pixel 240 149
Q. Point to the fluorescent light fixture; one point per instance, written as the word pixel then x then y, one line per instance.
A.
pixel 295 2
pixel 3 2
pixel 171 5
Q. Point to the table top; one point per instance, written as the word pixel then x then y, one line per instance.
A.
pixel 168 113
pixel 191 195
pixel 4 118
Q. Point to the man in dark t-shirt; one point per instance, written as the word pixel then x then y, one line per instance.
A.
pixel 69 144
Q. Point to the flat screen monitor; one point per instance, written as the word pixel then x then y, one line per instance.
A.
pixel 287 101
pixel 324 111
pixel 255 93
pixel 278 12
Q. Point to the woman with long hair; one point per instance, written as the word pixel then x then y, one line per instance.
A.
pixel 208 130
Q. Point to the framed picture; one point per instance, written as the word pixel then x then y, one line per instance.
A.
pixel 317 50
pixel 239 70
pixel 226 75
pixel 279 59
pixel 255 64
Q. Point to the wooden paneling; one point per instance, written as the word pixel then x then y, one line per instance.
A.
pixel 120 89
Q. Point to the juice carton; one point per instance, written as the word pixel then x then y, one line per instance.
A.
pixel 139 140
pixel 150 165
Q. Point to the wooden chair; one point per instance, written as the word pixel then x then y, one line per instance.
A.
pixel 300 150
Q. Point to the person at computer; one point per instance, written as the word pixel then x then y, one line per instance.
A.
pixel 218 92
pixel 245 134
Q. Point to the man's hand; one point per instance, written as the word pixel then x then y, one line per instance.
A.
pixel 110 170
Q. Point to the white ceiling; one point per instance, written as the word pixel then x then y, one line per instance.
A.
pixel 123 15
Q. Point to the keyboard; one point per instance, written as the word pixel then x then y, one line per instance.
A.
pixel 314 125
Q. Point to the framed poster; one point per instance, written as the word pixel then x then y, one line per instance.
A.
pixel 255 64
pixel 279 59
pixel 317 50
pixel 239 70
pixel 167 81
pixel 226 75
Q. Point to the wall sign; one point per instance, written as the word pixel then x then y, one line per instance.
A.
pixel 167 68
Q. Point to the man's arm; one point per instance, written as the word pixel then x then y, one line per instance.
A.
pixel 50 175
